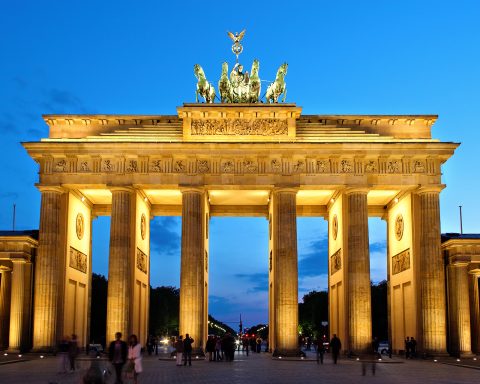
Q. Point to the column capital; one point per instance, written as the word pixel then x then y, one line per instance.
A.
pixel 356 189
pixel 422 189
pixel 121 188
pixel 51 188
pixel 192 189
pixel 4 268
pixel 285 189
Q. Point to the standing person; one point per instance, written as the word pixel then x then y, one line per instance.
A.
pixel 210 348
pixel 135 356
pixel 117 354
pixel 336 345
pixel 245 344
pixel 63 355
pixel 407 347
pixel 187 350
pixel 320 351
pixel 179 350
pixel 259 344
pixel 218 348
pixel 72 352
pixel 413 348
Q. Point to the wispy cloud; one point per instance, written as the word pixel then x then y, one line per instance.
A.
pixel 256 282
pixel 165 235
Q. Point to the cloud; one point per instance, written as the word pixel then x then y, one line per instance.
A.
pixel 165 235
pixel 314 261
pixel 379 246
pixel 62 101
pixel 258 281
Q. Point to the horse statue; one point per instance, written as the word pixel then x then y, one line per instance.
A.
pixel 254 85
pixel 224 86
pixel 204 88
pixel 278 87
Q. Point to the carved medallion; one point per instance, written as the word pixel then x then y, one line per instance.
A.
pixel 80 226
pixel 336 262
pixel 399 227
pixel 143 226
pixel 334 227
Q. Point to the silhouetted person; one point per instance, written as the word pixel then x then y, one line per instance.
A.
pixel 407 347
pixel 187 350
pixel 320 351
pixel 413 348
pixel 336 346
pixel 179 350
pixel 72 351
pixel 117 354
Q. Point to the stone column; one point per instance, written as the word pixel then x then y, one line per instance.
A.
pixel 474 310
pixel 459 309
pixel 5 289
pixel 192 316
pixel 17 307
pixel 431 273
pixel 358 271
pixel 286 271
pixel 120 263
pixel 47 271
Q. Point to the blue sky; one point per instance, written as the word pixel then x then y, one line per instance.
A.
pixel 350 57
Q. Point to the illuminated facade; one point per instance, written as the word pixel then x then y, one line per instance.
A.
pixel 242 160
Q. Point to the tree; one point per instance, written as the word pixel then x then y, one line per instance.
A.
pixel 379 310
pixel 164 309
pixel 98 314
pixel 312 312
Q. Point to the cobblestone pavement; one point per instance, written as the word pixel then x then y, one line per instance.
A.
pixel 256 368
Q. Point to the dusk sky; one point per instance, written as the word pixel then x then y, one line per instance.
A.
pixel 345 57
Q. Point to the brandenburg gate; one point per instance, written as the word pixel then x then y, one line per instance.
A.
pixel 242 159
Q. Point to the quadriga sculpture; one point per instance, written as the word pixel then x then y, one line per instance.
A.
pixel 204 88
pixel 278 87
pixel 224 86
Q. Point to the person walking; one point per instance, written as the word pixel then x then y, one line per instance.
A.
pixel 336 346
pixel 63 355
pixel 407 347
pixel 320 351
pixel 187 350
pixel 210 348
pixel 117 354
pixel 135 356
pixel 218 349
pixel 179 350
pixel 72 352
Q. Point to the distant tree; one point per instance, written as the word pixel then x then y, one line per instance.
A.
pixel 164 309
pixel 312 312
pixel 216 327
pixel 379 310
pixel 98 314
pixel 259 330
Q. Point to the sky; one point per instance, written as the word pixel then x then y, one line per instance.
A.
pixel 345 57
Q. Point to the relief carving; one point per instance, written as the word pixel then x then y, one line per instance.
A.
pixel 179 167
pixel 336 262
pixel 399 227
pixel 84 166
pixel 346 166
pixel 250 166
pixel 322 166
pixel 202 166
pixel 259 127
pixel 299 166
pixel 371 166
pixel 156 166
pixel 107 166
pixel 141 261
pixel 401 262
pixel 132 166
pixel 334 227
pixel 418 167
pixel 393 166
pixel 61 166
pixel 78 260
pixel 276 165
pixel 143 226
pixel 228 166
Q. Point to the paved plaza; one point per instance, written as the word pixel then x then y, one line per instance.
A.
pixel 256 368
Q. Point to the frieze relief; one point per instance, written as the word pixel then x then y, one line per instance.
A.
pixel 346 166
pixel 336 262
pixel 141 261
pixel 78 260
pixel 401 262
pixel 240 127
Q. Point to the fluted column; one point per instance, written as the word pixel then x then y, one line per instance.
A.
pixel 358 271
pixel 5 289
pixel 47 271
pixel 474 310
pixel 17 307
pixel 192 316
pixel 284 233
pixel 459 309
pixel 120 263
pixel 431 274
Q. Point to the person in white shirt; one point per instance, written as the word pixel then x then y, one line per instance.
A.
pixel 135 356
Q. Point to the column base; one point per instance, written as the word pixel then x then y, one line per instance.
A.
pixel 288 353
